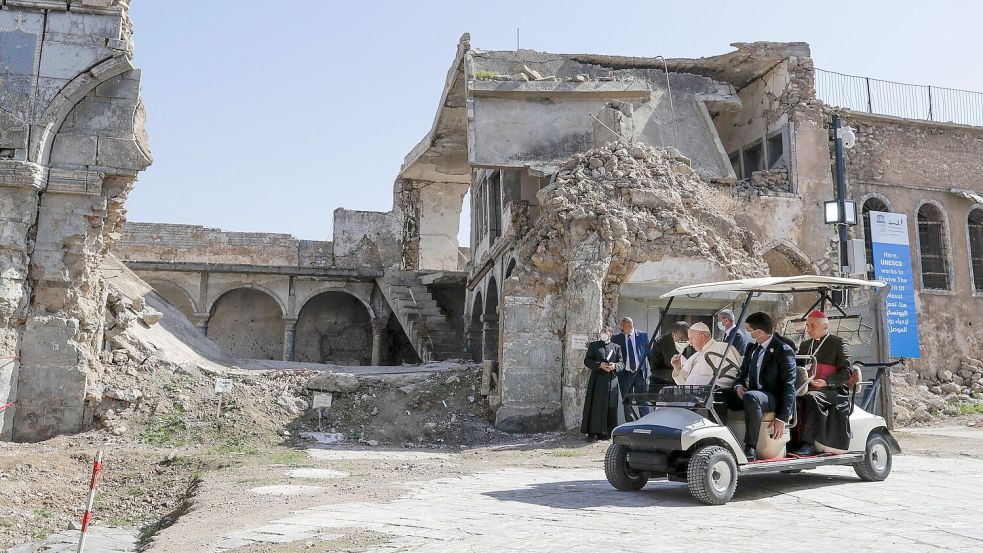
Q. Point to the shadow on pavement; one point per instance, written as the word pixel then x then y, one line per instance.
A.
pixel 584 494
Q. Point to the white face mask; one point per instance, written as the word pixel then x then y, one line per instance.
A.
pixel 605 337
pixel 681 346
pixel 720 325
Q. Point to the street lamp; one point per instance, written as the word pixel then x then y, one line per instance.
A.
pixel 834 216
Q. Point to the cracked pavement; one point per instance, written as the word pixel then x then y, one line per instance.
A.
pixel 573 510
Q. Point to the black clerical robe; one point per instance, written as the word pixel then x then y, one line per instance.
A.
pixel 825 411
pixel 602 406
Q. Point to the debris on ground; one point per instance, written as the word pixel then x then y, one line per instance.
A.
pixel 919 401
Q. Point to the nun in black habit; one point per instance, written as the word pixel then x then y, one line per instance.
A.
pixel 603 409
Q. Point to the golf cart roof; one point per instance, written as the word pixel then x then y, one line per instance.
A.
pixel 777 285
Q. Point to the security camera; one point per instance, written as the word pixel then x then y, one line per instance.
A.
pixel 849 137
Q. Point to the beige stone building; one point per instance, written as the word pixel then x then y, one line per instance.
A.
pixel 595 183
pixel 749 123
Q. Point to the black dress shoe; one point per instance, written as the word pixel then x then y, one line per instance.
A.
pixel 805 451
pixel 750 453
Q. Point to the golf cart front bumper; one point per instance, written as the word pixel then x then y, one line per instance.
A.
pixel 648 437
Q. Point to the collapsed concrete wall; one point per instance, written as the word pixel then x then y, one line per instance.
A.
pixel 608 211
pixel 72 142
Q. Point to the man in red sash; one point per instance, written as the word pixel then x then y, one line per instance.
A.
pixel 825 414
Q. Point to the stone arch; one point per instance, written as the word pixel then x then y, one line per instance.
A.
pixel 785 259
pixel 871 202
pixel 490 318
pixel 974 241
pixel 65 101
pixel 510 268
pixel 474 328
pixel 247 322
pixel 932 236
pixel 219 292
pixel 334 326
pixel 176 295
pixel 302 300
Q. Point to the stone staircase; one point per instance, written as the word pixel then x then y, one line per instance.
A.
pixel 434 337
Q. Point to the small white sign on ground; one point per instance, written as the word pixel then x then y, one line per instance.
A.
pixel 223 386
pixel 322 401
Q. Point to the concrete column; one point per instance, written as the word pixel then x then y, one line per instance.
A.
pixel 201 322
pixel 378 325
pixel 289 337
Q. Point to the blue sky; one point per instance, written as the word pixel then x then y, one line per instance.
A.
pixel 267 115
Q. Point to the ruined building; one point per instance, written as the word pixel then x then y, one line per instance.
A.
pixel 594 184
pixel 72 142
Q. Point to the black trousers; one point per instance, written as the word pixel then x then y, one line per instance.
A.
pixel 633 383
pixel 756 402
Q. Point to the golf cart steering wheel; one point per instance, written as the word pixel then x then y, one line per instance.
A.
pixel 717 359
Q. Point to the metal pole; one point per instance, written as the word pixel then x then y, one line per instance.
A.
pixel 87 517
pixel 720 364
pixel 870 105
pixel 930 115
pixel 840 191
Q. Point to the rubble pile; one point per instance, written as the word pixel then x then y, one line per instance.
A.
pixel 919 400
pixel 763 183
pixel 410 409
pixel 625 205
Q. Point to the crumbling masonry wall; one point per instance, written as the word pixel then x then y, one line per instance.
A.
pixel 609 210
pixel 71 145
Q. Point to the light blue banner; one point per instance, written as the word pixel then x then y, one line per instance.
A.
pixel 892 264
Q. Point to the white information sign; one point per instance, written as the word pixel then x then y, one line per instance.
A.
pixel 578 341
pixel 223 386
pixel 321 401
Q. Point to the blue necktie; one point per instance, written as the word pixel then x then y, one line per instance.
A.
pixel 631 352
pixel 757 371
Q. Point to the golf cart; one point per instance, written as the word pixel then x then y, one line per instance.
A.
pixel 684 440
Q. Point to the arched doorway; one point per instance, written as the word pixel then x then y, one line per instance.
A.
pixel 490 327
pixel 247 323
pixel 474 329
pixel 334 328
pixel 176 296
pixel 872 204
pixel 783 260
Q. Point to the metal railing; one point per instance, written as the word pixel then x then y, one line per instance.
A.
pixel 911 101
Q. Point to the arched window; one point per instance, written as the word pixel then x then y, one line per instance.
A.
pixel 975 225
pixel 932 248
pixel 872 204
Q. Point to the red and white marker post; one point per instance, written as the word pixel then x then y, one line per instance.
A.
pixel 96 470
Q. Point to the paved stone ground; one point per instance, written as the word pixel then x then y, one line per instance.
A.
pixel 98 539
pixel 574 510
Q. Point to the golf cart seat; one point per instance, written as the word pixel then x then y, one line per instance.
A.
pixel 767 447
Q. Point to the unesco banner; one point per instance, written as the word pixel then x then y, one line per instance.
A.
pixel 892 264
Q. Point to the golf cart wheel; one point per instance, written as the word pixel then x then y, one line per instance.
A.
pixel 619 474
pixel 712 475
pixel 877 460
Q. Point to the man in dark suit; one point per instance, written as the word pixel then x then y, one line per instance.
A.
pixel 634 377
pixel 725 322
pixel 662 352
pixel 766 382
